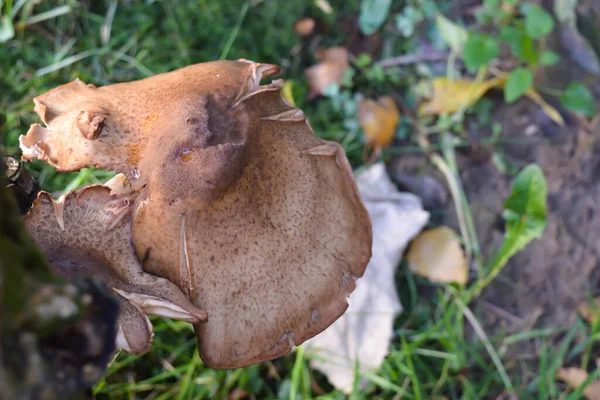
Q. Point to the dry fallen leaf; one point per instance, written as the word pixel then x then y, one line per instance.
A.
pixel 548 109
pixel 449 96
pixel 379 120
pixel 364 332
pixel 574 377
pixel 304 26
pixel 334 61
pixel 589 312
pixel 437 255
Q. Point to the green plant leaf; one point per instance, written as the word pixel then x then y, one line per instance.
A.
pixel 579 99
pixel 517 84
pixel 510 34
pixel 373 14
pixel 525 217
pixel 522 45
pixel 524 212
pixel 491 4
pixel 479 50
pixel 549 58
pixel 538 22
pixel 7 31
pixel 407 20
pixel 525 50
pixel 363 60
pixel 453 34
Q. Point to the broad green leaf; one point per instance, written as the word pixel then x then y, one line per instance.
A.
pixel 524 212
pixel 522 45
pixel 453 34
pixel 579 99
pixel 510 34
pixel 373 14
pixel 549 58
pixel 538 22
pixel 479 50
pixel 519 81
pixel 525 50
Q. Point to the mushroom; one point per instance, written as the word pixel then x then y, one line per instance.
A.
pixel 88 232
pixel 234 199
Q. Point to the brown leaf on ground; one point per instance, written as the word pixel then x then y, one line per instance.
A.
pixel 590 312
pixel 574 377
pixel 334 61
pixel 304 26
pixel 379 120
pixel 437 255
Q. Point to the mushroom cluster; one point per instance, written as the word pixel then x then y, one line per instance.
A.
pixel 226 211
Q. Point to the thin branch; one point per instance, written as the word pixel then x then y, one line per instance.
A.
pixel 407 59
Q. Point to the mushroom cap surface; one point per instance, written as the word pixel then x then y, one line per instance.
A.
pixel 258 221
pixel 88 233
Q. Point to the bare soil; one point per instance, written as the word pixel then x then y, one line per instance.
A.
pixel 542 285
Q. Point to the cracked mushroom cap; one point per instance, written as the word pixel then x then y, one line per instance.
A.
pixel 88 233
pixel 258 221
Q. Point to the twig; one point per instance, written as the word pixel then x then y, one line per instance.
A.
pixel 407 59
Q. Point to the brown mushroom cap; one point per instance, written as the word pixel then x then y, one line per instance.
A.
pixel 88 233
pixel 258 221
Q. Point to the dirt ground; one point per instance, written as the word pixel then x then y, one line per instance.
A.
pixel 543 284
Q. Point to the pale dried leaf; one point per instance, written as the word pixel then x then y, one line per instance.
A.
pixel 329 71
pixel 304 26
pixel 379 120
pixel 364 332
pixel 437 255
pixel 574 377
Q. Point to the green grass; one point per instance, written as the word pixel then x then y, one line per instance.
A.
pixel 438 350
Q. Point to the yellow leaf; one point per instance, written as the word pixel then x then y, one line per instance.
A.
pixel 574 377
pixel 379 120
pixel 437 255
pixel 286 91
pixel 450 96
pixel 548 109
pixel 589 312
